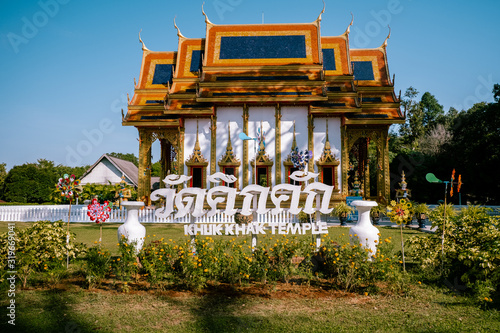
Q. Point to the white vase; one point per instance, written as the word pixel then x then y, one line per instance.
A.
pixel 364 232
pixel 132 230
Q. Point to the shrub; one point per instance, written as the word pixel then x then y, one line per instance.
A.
pixel 97 265
pixel 471 249
pixel 40 248
pixel 351 267
pixel 126 265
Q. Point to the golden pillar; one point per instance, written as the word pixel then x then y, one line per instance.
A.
pixel 277 149
pixel 245 145
pixel 310 136
pixel 144 188
pixel 213 147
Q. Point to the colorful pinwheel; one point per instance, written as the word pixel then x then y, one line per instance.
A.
pixel 68 185
pixel 97 212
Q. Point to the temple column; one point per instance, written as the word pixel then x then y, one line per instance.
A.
pixel 387 175
pixel 344 166
pixel 180 151
pixel 144 186
pixel 277 141
pixel 245 146
pixel 310 145
pixel 213 147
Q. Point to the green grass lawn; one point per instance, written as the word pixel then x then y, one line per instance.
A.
pixel 285 309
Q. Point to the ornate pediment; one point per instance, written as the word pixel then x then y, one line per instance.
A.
pixel 229 159
pixel 196 158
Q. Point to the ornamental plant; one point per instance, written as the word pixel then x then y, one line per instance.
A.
pixel 471 250
pixel 400 213
pixel 40 248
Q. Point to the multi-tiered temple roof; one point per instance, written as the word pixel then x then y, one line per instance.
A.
pixel 290 64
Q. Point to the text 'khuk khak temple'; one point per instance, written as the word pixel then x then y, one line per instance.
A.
pixel 285 85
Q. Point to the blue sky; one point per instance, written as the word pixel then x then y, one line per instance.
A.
pixel 67 65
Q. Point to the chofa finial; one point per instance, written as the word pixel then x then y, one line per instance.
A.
pixel 348 30
pixel 207 21
pixel 178 30
pixel 144 48
pixel 384 44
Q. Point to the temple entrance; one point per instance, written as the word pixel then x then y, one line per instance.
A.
pixel 367 163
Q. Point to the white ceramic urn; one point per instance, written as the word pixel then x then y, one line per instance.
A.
pixel 132 229
pixel 364 232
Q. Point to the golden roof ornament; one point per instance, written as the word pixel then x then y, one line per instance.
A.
pixel 179 34
pixel 384 44
pixel 144 48
pixel 348 30
pixel 207 21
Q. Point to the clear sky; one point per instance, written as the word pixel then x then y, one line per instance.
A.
pixel 67 65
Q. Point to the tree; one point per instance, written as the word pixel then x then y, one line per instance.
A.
pixel 432 111
pixel 127 157
pixel 496 92
pixel 3 173
pixel 35 182
pixel 475 152
pixel 413 128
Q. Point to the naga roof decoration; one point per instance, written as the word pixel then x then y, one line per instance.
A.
pixel 264 63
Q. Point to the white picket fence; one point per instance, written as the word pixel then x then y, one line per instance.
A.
pixel 146 215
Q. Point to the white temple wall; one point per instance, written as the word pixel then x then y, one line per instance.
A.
pixel 335 138
pixel 289 115
pixel 267 116
pixel 234 116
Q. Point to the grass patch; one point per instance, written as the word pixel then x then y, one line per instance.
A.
pixel 287 308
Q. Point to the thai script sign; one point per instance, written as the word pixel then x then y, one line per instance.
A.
pixel 191 200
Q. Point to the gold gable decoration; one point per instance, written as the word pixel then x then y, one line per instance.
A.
pixel 262 160
pixel 196 158
pixel 327 161
pixel 229 160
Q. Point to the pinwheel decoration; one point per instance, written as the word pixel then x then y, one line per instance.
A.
pixel 68 185
pixel 300 158
pixel 99 213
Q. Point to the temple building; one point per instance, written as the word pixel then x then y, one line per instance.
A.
pixel 284 85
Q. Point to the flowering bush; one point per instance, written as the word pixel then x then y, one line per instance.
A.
pixel 471 250
pixel 40 248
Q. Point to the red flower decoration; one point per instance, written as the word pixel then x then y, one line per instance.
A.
pixel 97 212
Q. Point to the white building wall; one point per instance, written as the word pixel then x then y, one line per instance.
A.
pixel 267 116
pixel 335 138
pixel 103 173
pixel 288 116
pixel 234 116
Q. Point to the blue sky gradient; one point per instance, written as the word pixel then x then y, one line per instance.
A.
pixel 68 65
